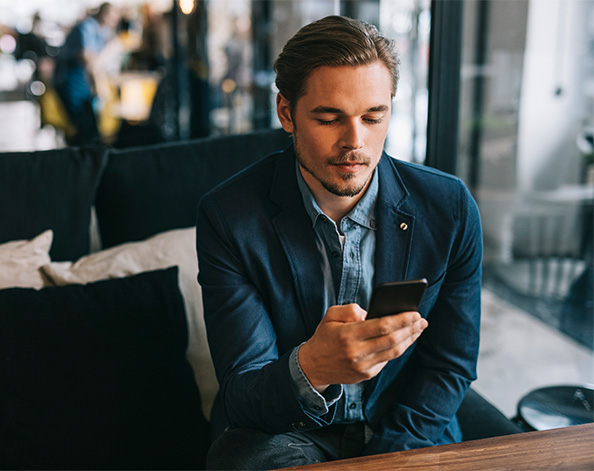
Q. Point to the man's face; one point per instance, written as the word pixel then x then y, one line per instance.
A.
pixel 111 17
pixel 339 127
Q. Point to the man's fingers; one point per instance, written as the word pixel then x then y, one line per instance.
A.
pixel 345 313
pixel 388 349
pixel 407 321
pixel 394 343
pixel 383 349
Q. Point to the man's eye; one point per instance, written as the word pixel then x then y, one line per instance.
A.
pixel 373 120
pixel 327 122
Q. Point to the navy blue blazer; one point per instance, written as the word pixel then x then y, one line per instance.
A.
pixel 262 293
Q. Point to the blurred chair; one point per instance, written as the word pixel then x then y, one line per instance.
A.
pixel 549 248
pixel 552 261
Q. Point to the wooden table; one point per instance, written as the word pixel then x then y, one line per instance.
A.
pixel 570 448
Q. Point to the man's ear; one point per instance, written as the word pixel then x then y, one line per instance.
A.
pixel 283 110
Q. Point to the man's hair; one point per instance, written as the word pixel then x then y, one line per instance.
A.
pixel 103 9
pixel 332 41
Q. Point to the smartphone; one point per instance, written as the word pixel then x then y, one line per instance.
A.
pixel 395 297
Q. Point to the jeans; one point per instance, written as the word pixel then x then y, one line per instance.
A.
pixel 249 449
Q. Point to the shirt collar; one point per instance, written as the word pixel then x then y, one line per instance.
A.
pixel 363 213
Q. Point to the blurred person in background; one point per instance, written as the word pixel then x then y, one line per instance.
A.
pixel 31 44
pixel 79 77
pixel 153 50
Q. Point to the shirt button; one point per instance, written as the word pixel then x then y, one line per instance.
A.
pixel 297 426
pixel 353 406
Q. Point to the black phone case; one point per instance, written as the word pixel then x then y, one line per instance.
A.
pixel 395 297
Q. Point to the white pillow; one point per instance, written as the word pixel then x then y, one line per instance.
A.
pixel 176 247
pixel 20 261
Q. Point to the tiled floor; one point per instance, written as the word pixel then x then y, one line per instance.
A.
pixel 518 352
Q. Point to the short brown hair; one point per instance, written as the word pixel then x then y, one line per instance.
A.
pixel 332 41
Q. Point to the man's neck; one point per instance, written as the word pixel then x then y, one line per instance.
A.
pixel 333 206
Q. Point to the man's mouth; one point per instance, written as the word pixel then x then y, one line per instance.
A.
pixel 350 167
pixel 350 162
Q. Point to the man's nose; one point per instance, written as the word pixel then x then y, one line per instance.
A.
pixel 352 136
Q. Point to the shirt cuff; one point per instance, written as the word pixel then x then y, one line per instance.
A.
pixel 311 400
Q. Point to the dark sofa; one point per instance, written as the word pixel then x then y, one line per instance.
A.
pixel 103 357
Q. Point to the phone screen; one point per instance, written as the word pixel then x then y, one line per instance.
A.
pixel 395 297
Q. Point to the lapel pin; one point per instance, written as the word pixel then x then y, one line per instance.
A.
pixel 403 226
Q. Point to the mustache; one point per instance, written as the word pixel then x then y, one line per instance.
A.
pixel 351 157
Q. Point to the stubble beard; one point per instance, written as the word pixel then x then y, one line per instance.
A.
pixel 335 188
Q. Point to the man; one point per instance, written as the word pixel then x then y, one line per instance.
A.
pixel 79 78
pixel 289 251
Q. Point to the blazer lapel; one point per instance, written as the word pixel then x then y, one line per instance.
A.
pixel 296 234
pixel 394 235
pixel 394 226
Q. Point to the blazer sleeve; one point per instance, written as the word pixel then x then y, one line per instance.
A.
pixel 256 388
pixel 443 362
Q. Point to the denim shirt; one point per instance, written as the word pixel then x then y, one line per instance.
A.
pixel 348 267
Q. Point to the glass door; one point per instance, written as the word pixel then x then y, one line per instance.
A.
pixel 525 149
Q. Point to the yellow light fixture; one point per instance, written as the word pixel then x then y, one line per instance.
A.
pixel 186 6
pixel 228 85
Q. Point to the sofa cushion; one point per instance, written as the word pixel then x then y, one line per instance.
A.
pixel 148 190
pixel 171 248
pixel 21 261
pixel 52 189
pixel 95 377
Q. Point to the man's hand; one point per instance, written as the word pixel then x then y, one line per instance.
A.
pixel 347 349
